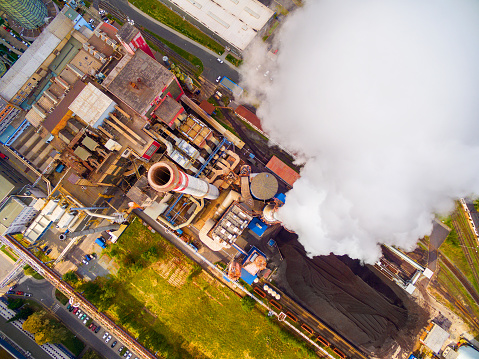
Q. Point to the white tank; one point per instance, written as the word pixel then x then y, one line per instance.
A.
pixel 66 219
pixel 58 213
pixel 269 214
pixel 164 176
pixel 50 206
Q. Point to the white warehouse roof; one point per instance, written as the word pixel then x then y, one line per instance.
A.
pixel 34 56
pixel 236 21
pixel 92 105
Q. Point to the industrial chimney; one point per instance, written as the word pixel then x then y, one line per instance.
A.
pixel 164 176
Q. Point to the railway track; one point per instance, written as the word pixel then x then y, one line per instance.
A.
pixel 292 308
pixel 464 235
pixel 467 313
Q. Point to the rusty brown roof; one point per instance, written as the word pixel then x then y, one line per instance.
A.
pixel 283 170
pixel 57 114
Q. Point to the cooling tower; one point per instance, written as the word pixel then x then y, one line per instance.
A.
pixel 164 176
pixel 29 14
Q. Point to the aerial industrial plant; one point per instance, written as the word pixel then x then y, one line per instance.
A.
pixel 134 179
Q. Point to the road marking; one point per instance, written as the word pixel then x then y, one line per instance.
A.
pixel 55 308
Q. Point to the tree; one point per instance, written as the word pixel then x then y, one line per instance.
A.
pixel 28 271
pixel 15 303
pixel 45 328
pixel 71 277
pixel 23 313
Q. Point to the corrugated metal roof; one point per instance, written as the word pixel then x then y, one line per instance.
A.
pixel 236 21
pixel 34 56
pixel 283 170
pixel 249 116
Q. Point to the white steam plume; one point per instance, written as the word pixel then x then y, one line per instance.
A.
pixel 380 99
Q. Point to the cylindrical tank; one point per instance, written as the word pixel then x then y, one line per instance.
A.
pixel 29 14
pixel 264 186
pixel 164 176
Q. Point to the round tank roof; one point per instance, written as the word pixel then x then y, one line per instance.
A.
pixel 264 186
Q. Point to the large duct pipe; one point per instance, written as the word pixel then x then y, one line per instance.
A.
pixel 112 227
pixel 164 176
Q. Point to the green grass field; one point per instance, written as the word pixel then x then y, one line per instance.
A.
pixel 182 312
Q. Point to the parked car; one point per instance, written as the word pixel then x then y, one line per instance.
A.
pixel 85 320
pixel 45 248
pixel 108 339
pixel 90 326
pixel 13 287
pixel 27 294
pixel 125 354
pixel 48 252
pixel 89 257
pixel 75 310
pixel 219 60
pixel 105 335
pixel 71 309
pixel 218 79
pixel 97 329
pixel 83 317
pixel 129 355
pixel 114 344
pixel 122 347
pixel 19 293
pixel 93 327
pixel 11 292
pixel 4 156
pixel 69 306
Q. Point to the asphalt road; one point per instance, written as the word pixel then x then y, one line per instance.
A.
pixel 44 293
pixel 212 68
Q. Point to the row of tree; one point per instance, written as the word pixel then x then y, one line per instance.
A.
pixel 45 328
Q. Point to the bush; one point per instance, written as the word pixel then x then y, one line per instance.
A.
pixel 61 297
pixel 91 354
pixel 247 303
pixel 71 278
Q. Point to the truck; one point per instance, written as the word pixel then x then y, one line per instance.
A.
pixel 101 242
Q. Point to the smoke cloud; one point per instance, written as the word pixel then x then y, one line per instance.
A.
pixel 380 100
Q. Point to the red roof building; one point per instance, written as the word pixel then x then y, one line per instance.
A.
pixel 249 117
pixel 208 107
pixel 283 170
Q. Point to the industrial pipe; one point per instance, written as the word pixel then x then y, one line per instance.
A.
pixel 165 176
pixel 112 227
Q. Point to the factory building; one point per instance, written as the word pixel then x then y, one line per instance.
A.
pixel 130 37
pixel 25 74
pixel 283 171
pixel 15 214
pixel 29 14
pixel 234 22
pixel 8 112
pixel 141 83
